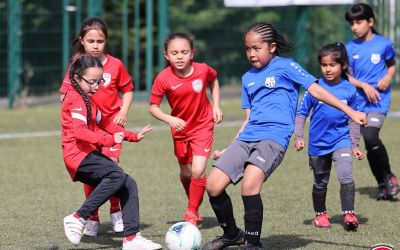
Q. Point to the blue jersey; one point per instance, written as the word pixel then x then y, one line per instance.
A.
pixel 329 127
pixel 367 60
pixel 271 94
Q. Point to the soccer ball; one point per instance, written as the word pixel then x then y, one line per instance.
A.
pixel 183 236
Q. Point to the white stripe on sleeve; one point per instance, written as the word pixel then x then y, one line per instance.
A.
pixel 79 117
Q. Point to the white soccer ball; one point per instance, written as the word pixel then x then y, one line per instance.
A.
pixel 183 236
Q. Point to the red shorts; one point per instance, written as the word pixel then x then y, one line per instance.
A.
pixel 185 149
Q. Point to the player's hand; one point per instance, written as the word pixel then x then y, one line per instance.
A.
pixel 383 84
pixel 144 130
pixel 358 154
pixel 298 144
pixel 218 115
pixel 217 153
pixel 120 119
pixel 62 96
pixel 177 123
pixel 118 137
pixel 371 93
pixel 359 117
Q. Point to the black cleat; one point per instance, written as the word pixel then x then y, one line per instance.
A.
pixel 222 242
pixel 392 185
pixel 382 193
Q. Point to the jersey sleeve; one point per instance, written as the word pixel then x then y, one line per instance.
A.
pixel 300 76
pixel 305 105
pixel 108 125
pixel 157 91
pixel 211 75
pixel 124 81
pixel 390 53
pixel 80 126
pixel 66 84
pixel 246 101
pixel 353 100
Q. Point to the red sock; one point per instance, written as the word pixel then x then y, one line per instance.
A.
pixel 88 190
pixel 76 216
pixel 186 184
pixel 197 189
pixel 130 237
pixel 114 205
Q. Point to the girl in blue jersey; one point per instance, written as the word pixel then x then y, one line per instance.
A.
pixel 372 66
pixel 332 136
pixel 269 98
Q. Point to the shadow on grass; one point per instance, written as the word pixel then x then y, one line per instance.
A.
pixel 296 242
pixel 206 223
pixel 371 192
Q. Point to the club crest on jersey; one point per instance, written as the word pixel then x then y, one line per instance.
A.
pixel 107 79
pixel 375 58
pixel 197 85
pixel 270 82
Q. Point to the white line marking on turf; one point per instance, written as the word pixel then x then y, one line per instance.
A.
pixel 57 133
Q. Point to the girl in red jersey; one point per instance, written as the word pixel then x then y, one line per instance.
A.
pixel 80 139
pixel 192 117
pixel 91 40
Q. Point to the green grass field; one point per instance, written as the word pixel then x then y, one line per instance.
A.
pixel 37 191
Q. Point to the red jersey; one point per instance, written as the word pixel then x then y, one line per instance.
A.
pixel 116 79
pixel 77 137
pixel 186 96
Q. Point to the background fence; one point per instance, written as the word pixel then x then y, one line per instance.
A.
pixel 35 36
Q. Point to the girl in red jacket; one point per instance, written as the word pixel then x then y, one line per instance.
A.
pixel 91 40
pixel 81 137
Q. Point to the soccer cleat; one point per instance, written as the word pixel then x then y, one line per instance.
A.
pixel 91 228
pixel 117 222
pixel 382 193
pixel 192 217
pixel 322 220
pixel 253 247
pixel 350 221
pixel 222 242
pixel 392 186
pixel 140 243
pixel 73 227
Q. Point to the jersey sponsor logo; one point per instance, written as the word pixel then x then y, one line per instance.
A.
pixel 344 155
pixel 250 84
pixel 207 150
pixel 77 109
pixel 114 149
pixel 375 58
pixel 107 79
pixel 356 56
pixel 176 86
pixel 270 82
pixel 197 85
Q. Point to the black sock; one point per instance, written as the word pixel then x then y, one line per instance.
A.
pixel 253 217
pixel 319 199
pixel 222 206
pixel 347 193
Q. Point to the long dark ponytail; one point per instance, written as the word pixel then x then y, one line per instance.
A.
pixel 77 69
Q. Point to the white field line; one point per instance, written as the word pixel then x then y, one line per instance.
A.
pixel 57 133
pixel 391 115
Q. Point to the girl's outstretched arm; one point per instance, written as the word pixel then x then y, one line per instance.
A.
pixel 323 95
